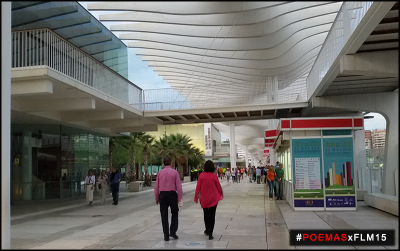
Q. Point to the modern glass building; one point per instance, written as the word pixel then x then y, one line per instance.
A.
pixel 50 160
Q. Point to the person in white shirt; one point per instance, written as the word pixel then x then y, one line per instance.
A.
pixel 103 180
pixel 90 182
pixel 227 173
pixel 233 175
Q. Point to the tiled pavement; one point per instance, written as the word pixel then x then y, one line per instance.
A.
pixel 245 219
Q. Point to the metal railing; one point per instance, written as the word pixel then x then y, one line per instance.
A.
pixel 223 95
pixel 346 21
pixel 37 47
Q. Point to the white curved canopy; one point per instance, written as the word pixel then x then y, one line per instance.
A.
pixel 211 43
pixel 227 50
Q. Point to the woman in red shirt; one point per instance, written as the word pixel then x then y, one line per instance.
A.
pixel 210 193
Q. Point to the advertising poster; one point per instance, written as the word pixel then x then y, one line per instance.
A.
pixel 339 172
pixel 307 173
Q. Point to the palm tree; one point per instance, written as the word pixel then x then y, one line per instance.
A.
pixel 130 143
pixel 111 146
pixel 179 149
pixel 146 141
pixel 161 147
pixel 196 157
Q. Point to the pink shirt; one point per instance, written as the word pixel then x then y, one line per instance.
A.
pixel 168 180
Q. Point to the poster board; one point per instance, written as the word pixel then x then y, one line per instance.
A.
pixel 307 173
pixel 339 172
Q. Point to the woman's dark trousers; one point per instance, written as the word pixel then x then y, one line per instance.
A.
pixel 209 218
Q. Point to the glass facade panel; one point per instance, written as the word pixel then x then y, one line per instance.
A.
pixel 52 161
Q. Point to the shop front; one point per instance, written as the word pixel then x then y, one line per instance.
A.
pixel 51 161
pixel 318 159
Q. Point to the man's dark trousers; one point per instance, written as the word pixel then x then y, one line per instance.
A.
pixel 115 193
pixel 169 199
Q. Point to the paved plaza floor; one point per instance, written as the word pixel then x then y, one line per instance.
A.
pixel 245 219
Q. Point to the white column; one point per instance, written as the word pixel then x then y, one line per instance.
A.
pixel 246 156
pixel 360 161
pixel 272 156
pixel 5 124
pixel 391 163
pixel 232 147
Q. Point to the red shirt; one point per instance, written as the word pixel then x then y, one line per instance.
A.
pixel 210 190
pixel 168 180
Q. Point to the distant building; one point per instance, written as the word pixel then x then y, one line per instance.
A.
pixel 378 138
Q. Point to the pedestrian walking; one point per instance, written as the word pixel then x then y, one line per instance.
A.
pixel 103 184
pixel 210 194
pixel 271 180
pixel 262 174
pixel 168 192
pixel 90 182
pixel 250 174
pixel 227 173
pixel 258 174
pixel 115 179
pixel 254 173
pixel 237 172
pixel 233 174
pixel 241 172
pixel 276 167
pixel 220 172
pixel 279 181
pixel 223 172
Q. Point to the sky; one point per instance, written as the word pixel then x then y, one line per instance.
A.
pixel 140 74
pixel 143 76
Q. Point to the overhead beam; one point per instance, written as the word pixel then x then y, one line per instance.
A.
pixel 248 114
pixel 92 115
pixel 208 116
pixel 31 87
pixel 229 109
pixel 215 120
pixel 195 117
pixel 222 116
pixel 144 128
pixel 183 118
pixel 234 113
pixel 116 123
pixel 69 104
pixel 378 63
pixel 169 118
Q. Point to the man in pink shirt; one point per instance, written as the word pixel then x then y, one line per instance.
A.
pixel 168 191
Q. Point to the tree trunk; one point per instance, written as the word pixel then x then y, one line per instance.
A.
pixel 110 151
pixel 180 170
pixel 173 163
pixel 132 166
pixel 145 162
pixel 187 167
pixel 140 173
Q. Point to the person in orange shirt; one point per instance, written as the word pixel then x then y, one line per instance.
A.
pixel 220 172
pixel 241 172
pixel 271 179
